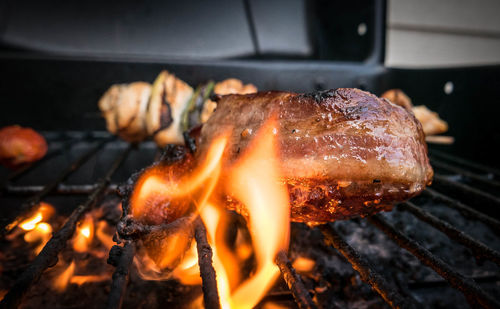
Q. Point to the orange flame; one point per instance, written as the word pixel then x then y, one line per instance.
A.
pixel 61 281
pixel 43 213
pixel 91 278
pixel 159 184
pixel 37 231
pixel 41 233
pixel 104 238
pixel 2 294
pixel 254 180
pixel 84 234
pixel 302 264
pixel 187 272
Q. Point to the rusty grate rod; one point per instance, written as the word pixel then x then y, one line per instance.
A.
pixel 365 269
pixel 478 248
pixel 472 292
pixel 61 189
pixel 294 282
pixel 484 197
pixel 457 170
pixel 7 224
pixel 48 256
pixel 121 273
pixel 465 162
pixel 207 271
pixel 464 209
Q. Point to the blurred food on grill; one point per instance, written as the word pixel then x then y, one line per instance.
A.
pixel 20 145
pixel 124 107
pixel 164 110
pixel 431 123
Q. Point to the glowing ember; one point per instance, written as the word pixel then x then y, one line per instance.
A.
pixel 302 264
pixel 84 235
pixel 61 281
pixel 43 213
pixel 36 231
pixel 30 224
pixel 273 306
pixel 40 234
pixel 92 278
pixel 104 238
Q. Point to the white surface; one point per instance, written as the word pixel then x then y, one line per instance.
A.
pixel 430 33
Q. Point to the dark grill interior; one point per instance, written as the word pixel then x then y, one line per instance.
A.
pixel 439 249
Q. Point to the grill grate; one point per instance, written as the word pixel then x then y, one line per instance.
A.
pixel 122 257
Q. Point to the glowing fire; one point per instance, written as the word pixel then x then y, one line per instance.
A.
pixel 61 281
pixel 104 237
pixel 79 280
pixel 255 182
pixel 252 181
pixel 302 264
pixel 84 234
pixel 37 230
pixel 41 234
pixel 83 241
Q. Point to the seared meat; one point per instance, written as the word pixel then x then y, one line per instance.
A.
pixel 343 152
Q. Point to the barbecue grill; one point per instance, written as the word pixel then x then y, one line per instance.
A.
pixel 437 249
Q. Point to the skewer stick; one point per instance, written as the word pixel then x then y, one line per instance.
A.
pixel 440 139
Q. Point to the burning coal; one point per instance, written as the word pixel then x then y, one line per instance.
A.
pixel 91 241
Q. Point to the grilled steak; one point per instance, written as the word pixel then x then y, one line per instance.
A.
pixel 343 152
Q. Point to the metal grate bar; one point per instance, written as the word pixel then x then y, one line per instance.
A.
pixel 61 189
pixel 467 174
pixel 294 282
pixel 23 170
pixel 122 258
pixel 207 271
pixel 472 292
pixel 481 196
pixel 464 209
pixel 48 256
pixel 121 273
pixel 441 282
pixel 478 248
pixel 365 269
pixel 7 224
pixel 483 168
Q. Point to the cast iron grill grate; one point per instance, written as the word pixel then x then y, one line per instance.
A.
pixel 469 181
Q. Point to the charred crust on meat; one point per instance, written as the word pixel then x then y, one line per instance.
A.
pixel 172 154
pixel 189 142
pixel 320 96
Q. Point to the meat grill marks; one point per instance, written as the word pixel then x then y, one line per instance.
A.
pixel 344 152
